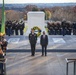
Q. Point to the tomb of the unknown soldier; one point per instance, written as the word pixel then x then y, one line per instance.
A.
pixel 37 38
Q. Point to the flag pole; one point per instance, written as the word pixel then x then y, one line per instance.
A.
pixel 2 32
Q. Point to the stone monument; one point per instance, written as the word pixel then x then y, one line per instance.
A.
pixel 35 18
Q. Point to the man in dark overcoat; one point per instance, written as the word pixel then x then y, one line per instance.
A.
pixel 44 43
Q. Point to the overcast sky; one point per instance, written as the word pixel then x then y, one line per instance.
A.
pixel 38 1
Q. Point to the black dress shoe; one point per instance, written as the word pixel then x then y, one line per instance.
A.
pixel 42 55
pixel 32 55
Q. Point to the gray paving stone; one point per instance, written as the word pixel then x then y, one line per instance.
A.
pixel 61 42
pixel 24 64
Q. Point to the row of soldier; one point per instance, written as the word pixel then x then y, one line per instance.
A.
pixel 14 27
pixel 61 28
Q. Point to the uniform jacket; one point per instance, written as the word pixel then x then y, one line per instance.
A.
pixel 33 38
pixel 63 24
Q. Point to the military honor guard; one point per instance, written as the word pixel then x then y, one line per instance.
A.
pixel 21 27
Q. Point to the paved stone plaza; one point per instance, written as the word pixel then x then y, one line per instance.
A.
pixel 55 42
pixel 52 64
pixel 22 63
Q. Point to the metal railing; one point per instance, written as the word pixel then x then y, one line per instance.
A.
pixel 70 60
pixel 3 60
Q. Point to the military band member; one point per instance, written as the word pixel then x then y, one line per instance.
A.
pixel 32 40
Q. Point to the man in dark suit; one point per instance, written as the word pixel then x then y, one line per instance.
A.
pixel 32 40
pixel 44 43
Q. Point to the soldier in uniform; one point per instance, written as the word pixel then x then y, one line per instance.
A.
pixel 70 28
pixel 56 28
pixel 9 27
pixel 32 40
pixel 74 28
pixel 48 26
pixel 16 28
pixel 59 28
pixel 6 27
pixel 63 27
pixel 13 27
pixel 66 28
pixel 52 29
pixel 21 27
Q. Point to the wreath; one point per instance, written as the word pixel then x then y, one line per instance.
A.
pixel 38 30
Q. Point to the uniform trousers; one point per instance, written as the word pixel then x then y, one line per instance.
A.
pixel 33 49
